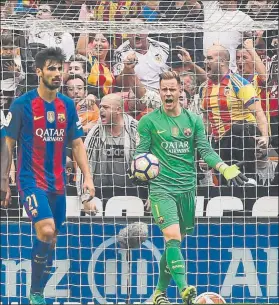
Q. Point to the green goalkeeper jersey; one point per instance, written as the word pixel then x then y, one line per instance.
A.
pixel 173 141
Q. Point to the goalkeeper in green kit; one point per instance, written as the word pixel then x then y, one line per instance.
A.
pixel 172 134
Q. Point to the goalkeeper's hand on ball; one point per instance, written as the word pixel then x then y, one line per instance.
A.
pixel 134 179
pixel 232 174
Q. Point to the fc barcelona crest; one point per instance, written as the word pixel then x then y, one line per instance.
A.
pixel 51 116
pixel 174 131
pixel 187 132
pixel 61 117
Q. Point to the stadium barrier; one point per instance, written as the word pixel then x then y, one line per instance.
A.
pixel 235 257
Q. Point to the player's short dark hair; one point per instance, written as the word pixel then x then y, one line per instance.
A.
pixel 76 76
pixel 53 54
pixel 169 75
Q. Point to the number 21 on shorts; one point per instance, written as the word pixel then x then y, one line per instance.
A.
pixel 32 202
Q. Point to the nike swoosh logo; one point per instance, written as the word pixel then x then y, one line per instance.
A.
pixel 160 131
pixel 38 117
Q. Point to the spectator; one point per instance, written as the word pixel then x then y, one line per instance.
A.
pixel 151 57
pixel 185 99
pixel 151 10
pixel 78 64
pixel 227 16
pixel 115 10
pixel 87 109
pixel 191 76
pixel 31 79
pixel 262 10
pixel 231 106
pixel 67 9
pixel 145 97
pixel 135 107
pixel 100 75
pixel 70 170
pixel 189 82
pixel 110 11
pixel 267 171
pixel 185 63
pixel 7 9
pixel 49 38
pixel 35 48
pixel 273 102
pixel 251 67
pixel 11 69
pixel 185 11
pixel 110 146
pixel 29 6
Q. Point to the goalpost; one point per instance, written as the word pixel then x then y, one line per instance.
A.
pixel 234 249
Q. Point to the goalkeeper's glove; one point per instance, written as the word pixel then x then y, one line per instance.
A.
pixel 232 174
pixel 135 180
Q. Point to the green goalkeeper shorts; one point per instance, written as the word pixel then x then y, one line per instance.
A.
pixel 169 209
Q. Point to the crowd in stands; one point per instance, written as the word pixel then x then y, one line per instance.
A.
pixel 114 79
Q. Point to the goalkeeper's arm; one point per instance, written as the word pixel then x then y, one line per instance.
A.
pixel 231 173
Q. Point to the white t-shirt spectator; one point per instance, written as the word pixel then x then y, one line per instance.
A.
pixel 64 41
pixel 10 84
pixel 150 64
pixel 227 37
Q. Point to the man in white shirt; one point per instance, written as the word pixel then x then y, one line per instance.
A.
pixel 50 38
pixel 151 57
pixel 11 66
pixel 227 17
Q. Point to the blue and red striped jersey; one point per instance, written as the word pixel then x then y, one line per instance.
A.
pixel 43 130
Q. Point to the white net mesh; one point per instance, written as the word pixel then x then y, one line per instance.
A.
pixel 234 250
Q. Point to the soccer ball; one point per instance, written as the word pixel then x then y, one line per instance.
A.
pixel 209 298
pixel 145 167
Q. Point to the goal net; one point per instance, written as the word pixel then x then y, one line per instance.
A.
pixel 121 47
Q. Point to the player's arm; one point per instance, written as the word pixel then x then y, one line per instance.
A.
pixel 7 148
pixel 202 144
pixel 248 95
pixel 4 160
pixel 231 173
pixel 13 124
pixel 79 152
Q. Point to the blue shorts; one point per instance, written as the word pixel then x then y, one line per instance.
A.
pixel 40 204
